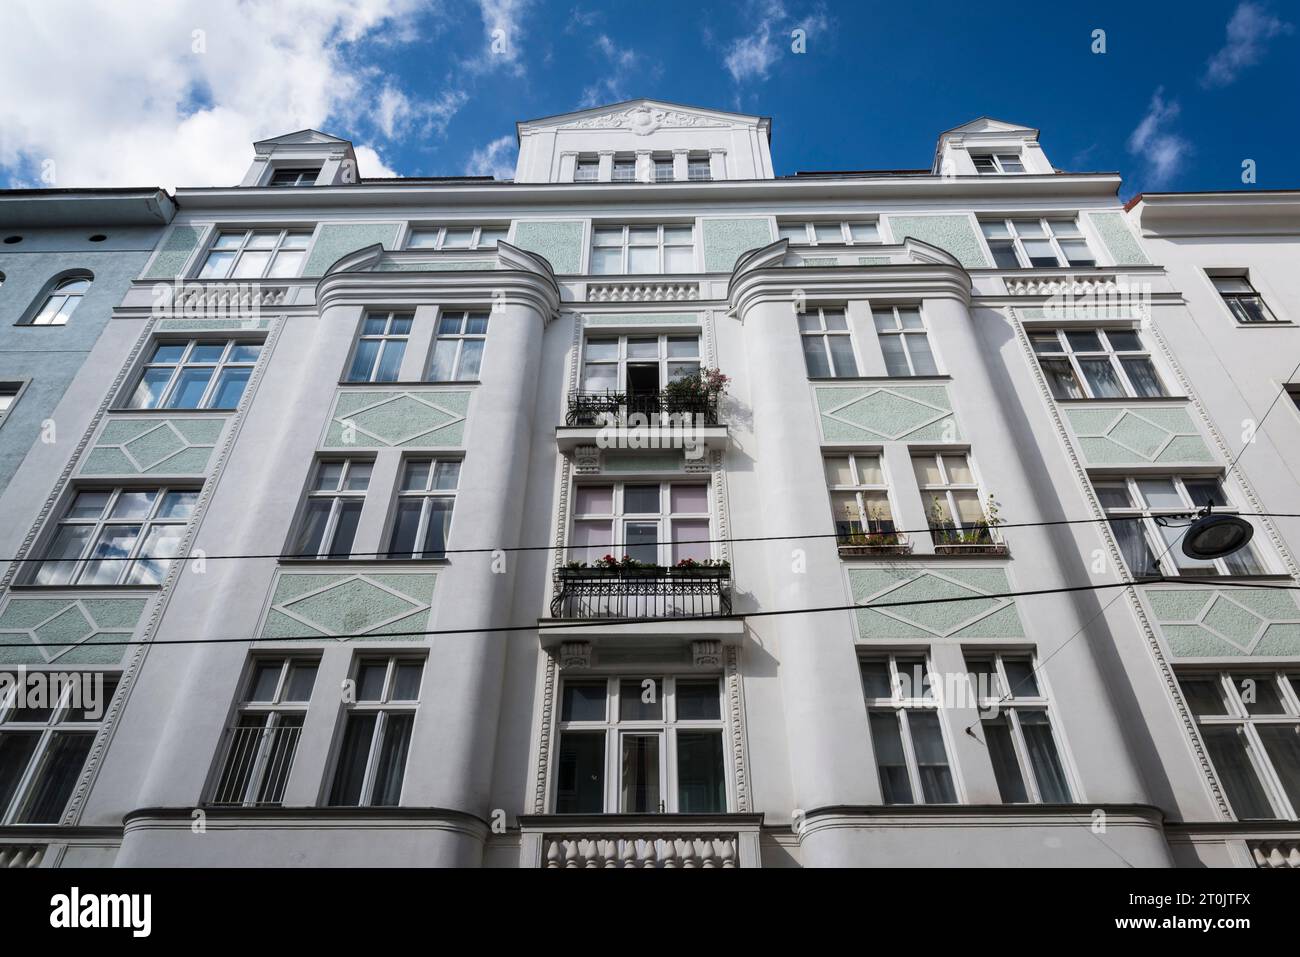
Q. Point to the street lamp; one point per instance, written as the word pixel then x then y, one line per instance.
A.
pixel 1214 536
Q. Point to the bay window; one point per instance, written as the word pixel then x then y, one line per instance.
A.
pixel 380 347
pixel 458 346
pixel 827 343
pixel 332 511
pixel 656 523
pixel 641 745
pixel 425 499
pixel 638 365
pixel 903 340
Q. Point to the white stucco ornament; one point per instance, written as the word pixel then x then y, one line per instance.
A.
pixel 643 120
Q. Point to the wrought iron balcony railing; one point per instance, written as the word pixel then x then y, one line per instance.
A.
pixel 617 593
pixel 978 539
pixel 257 765
pixel 597 409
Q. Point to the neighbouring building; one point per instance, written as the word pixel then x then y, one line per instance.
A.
pixel 370 471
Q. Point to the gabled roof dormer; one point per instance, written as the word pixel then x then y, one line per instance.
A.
pixel 291 159
pixel 986 146
pixel 662 142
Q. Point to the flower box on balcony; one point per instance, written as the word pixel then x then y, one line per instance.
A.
pixel 865 550
pixel 701 572
pixel 974 548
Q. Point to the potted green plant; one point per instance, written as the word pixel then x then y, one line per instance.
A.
pixel 977 538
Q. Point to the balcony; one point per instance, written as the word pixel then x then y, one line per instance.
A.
pixel 652 420
pixel 649 592
pixel 607 841
pixel 258 760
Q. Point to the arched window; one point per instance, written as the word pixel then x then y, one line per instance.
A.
pixel 61 301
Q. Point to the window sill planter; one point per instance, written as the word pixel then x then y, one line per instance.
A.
pixel 974 548
pixel 860 550
pixel 715 572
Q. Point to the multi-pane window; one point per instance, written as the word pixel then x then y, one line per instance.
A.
pixel 658 523
pixel 664 172
pixel 859 494
pixel 62 301
pixel 199 374
pixel 1250 722
pixel 257 254
pixel 698 169
pixel 997 163
pixel 333 509
pixel 1017 730
pixel 376 738
pixel 305 176
pixel 586 170
pixel 906 734
pixel 44 742
pixel 624 170
pixel 1018 243
pixel 8 396
pixel 1096 364
pixel 829 233
pixel 117 536
pixel 1241 298
pixel 903 340
pixel 641 745
pixel 380 347
pixel 424 503
pixel 642 249
pixel 638 365
pixel 458 348
pixel 827 345
pixel 262 743
pixel 1150 514
pixel 952 499
pixel 456 237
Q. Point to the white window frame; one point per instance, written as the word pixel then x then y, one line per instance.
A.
pixel 694 163
pixel 822 334
pixel 622 361
pixel 10 393
pixel 274 714
pixel 1287 683
pixel 1006 700
pixel 1151 528
pixel 382 709
pixel 907 335
pixel 103 522
pixel 790 229
pixel 619 518
pixel 657 164
pixel 1108 352
pixel 665 728
pixel 57 723
pixel 186 361
pixel 336 496
pixel 998 161
pixel 307 176
pixel 660 246
pixel 426 496
pixel 304 235
pixel 624 163
pixel 459 338
pixel 385 339
pixel 586 161
pixel 863 494
pixel 58 304
pixel 1047 224
pixel 944 491
pixel 902 707
pixel 439 235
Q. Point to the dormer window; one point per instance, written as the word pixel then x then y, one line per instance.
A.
pixel 698 169
pixel 625 169
pixel 298 176
pixel 997 163
pixel 587 170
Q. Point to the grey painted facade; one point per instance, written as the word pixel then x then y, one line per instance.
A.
pixel 759 738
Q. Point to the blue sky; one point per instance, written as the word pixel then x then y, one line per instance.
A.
pixel 1181 96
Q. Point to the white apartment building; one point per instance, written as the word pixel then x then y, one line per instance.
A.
pixel 904 591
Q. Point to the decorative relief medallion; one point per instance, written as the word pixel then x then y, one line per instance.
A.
pixel 643 120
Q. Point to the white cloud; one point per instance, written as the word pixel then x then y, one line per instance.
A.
pixel 1160 149
pixel 752 56
pixel 622 67
pixel 503 36
pixel 175 97
pixel 1249 30
pixel 496 159
pixel 369 163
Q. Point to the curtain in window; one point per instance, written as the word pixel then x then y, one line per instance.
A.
pixel 1006 769
pixel 701 787
pixel 888 745
pixel 1048 772
pixel 640 774
pixel 351 773
pixel 1227 747
pixel 60 769
pixel 392 760
pixel 931 759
